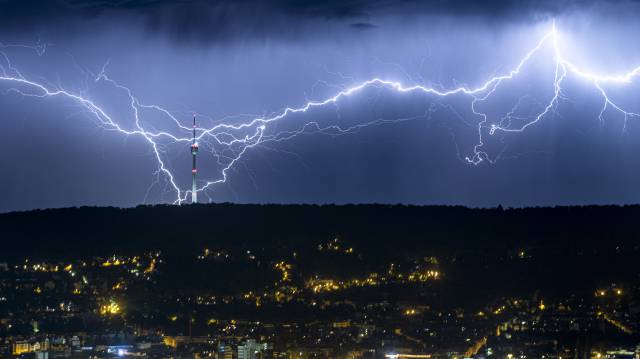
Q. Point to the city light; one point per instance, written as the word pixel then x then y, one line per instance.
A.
pixel 110 308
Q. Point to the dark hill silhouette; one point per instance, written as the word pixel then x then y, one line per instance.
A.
pixel 483 253
pixel 373 228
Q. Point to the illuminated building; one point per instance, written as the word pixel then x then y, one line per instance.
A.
pixel 22 347
pixel 342 324
pixel 225 351
pixel 249 349
pixel 170 341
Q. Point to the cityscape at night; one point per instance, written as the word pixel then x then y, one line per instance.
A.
pixel 322 179
pixel 548 283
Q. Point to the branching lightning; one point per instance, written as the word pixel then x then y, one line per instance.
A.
pixel 228 143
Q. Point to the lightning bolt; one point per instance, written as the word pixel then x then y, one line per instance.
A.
pixel 229 142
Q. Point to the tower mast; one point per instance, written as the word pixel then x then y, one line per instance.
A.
pixel 194 169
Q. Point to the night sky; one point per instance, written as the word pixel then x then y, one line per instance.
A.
pixel 233 61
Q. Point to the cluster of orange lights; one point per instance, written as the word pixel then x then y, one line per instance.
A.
pixel 111 308
pixel 285 270
pixel 328 285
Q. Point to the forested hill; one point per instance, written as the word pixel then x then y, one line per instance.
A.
pixel 372 228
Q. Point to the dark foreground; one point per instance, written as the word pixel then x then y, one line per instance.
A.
pixel 249 281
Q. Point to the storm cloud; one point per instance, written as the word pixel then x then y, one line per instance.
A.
pixel 228 20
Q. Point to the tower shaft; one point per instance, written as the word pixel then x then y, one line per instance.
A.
pixel 194 169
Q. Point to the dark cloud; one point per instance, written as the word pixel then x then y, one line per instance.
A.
pixel 202 20
pixel 308 8
pixel 362 26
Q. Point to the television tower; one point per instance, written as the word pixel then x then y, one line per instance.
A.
pixel 194 169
